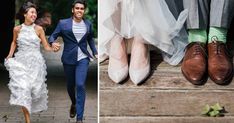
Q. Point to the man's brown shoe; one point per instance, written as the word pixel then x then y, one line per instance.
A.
pixel 220 67
pixel 73 111
pixel 194 65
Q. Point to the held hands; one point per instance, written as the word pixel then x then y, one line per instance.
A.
pixel 56 46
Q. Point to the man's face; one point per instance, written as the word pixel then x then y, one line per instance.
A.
pixel 47 18
pixel 78 11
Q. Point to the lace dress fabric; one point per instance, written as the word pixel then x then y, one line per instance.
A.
pixel 27 72
pixel 153 20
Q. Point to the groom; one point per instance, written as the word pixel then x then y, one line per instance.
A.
pixel 207 53
pixel 76 33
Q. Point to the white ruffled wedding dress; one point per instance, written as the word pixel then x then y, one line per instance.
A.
pixel 153 20
pixel 27 71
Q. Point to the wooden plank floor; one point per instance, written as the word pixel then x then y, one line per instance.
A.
pixel 165 97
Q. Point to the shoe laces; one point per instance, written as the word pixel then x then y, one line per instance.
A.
pixel 217 47
pixel 198 49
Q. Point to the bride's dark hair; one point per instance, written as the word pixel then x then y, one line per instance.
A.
pixel 24 9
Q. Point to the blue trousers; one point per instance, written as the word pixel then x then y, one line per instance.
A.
pixel 76 77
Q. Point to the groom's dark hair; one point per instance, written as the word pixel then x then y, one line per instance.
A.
pixel 79 1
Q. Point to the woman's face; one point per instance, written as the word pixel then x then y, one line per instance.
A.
pixel 31 15
pixel 78 11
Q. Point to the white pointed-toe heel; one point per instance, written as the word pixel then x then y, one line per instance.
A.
pixel 138 75
pixel 118 75
pixel 118 63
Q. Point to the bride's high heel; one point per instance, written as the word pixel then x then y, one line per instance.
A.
pixel 118 75
pixel 118 63
pixel 138 75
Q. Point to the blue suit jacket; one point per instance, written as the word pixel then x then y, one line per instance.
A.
pixel 64 29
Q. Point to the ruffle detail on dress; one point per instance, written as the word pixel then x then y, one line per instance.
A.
pixel 27 82
pixel 27 72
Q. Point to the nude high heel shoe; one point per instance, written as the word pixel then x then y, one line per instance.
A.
pixel 138 75
pixel 118 63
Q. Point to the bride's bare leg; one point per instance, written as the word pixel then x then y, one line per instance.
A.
pixel 26 115
pixel 118 62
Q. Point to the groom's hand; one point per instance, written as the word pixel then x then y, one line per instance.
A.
pixel 56 46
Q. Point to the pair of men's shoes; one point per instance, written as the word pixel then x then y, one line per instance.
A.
pixel 197 65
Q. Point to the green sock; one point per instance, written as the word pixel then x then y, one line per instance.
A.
pixel 197 35
pixel 217 34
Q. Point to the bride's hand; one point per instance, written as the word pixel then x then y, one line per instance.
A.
pixel 56 46
pixel 8 57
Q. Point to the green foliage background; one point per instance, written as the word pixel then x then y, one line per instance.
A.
pixel 61 9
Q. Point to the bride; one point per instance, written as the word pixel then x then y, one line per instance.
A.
pixel 27 69
pixel 136 24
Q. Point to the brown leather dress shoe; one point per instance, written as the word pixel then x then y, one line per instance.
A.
pixel 194 65
pixel 73 111
pixel 220 67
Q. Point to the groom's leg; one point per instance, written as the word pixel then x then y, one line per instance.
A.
pixel 220 63
pixel 221 13
pixel 81 73
pixel 70 76
pixel 197 21
pixel 195 62
pixel 198 13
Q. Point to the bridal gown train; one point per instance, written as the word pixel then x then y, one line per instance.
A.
pixel 27 72
pixel 159 24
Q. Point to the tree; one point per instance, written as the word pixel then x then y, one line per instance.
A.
pixel 62 9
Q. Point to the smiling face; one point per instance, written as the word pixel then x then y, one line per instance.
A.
pixel 78 11
pixel 31 15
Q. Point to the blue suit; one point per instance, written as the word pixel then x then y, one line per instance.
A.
pixel 64 29
pixel 75 71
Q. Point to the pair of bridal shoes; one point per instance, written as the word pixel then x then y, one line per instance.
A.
pixel 118 68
